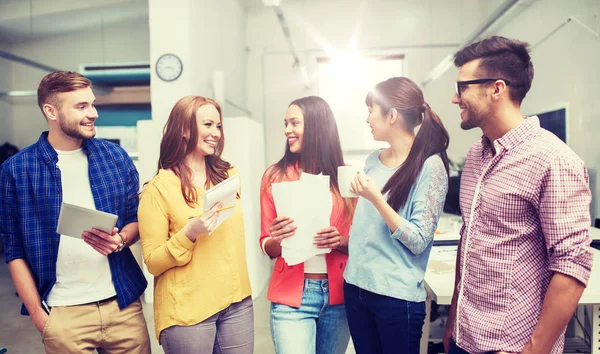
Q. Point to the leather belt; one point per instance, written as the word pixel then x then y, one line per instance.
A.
pixel 102 302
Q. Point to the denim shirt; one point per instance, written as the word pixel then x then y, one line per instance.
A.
pixel 30 200
pixel 392 262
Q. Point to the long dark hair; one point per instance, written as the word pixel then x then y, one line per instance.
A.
pixel 180 138
pixel 321 149
pixel 406 97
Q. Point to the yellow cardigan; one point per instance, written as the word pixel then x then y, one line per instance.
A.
pixel 193 280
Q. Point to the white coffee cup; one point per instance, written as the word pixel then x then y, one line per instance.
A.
pixel 346 175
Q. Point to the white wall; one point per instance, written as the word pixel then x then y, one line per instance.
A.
pixel 207 36
pixel 244 149
pixel 219 43
pixel 127 42
pixel 423 31
pixel 6 120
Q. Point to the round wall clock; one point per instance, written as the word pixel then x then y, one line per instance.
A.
pixel 169 67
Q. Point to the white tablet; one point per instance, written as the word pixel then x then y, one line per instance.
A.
pixel 73 220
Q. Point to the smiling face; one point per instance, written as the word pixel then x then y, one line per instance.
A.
pixel 294 128
pixel 474 103
pixel 209 125
pixel 76 114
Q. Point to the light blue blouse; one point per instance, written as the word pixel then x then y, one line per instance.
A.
pixel 392 262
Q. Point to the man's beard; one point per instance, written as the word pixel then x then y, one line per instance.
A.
pixel 474 118
pixel 73 130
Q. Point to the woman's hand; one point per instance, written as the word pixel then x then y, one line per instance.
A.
pixel 329 237
pixel 364 186
pixel 204 224
pixel 281 228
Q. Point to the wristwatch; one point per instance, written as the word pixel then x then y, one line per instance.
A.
pixel 121 245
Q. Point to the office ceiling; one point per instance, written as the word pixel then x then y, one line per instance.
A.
pixel 25 20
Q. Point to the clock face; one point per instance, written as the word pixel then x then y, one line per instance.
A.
pixel 169 67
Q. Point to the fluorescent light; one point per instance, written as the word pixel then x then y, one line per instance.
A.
pixel 271 2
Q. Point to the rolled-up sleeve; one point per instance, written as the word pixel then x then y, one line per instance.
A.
pixel 160 252
pixel 431 187
pixel 9 219
pixel 565 218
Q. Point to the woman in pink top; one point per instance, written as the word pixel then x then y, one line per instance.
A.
pixel 307 311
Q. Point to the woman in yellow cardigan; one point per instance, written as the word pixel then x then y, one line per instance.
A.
pixel 202 301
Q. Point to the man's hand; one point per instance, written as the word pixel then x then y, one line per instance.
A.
pixel 39 319
pixel 102 242
pixel 447 336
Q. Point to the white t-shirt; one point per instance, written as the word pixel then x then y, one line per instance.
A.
pixel 316 265
pixel 82 274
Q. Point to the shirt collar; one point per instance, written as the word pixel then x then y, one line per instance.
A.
pixel 49 154
pixel 516 135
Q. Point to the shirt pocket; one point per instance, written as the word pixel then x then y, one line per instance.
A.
pixel 112 190
pixel 505 202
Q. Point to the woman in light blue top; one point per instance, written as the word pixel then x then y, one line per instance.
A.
pixel 393 227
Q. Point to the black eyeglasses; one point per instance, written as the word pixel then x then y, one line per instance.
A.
pixel 460 84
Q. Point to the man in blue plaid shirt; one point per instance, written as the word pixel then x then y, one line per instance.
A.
pixel 81 291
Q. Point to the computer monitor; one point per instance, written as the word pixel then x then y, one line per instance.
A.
pixel 555 121
pixel 452 204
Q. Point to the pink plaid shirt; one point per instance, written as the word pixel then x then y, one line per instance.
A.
pixel 526 216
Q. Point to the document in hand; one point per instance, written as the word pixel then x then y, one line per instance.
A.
pixel 73 220
pixel 307 201
pixel 224 192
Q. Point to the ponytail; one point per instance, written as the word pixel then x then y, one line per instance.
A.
pixel 432 138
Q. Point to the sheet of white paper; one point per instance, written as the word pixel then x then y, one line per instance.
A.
pixel 308 202
pixel 73 220
pixel 284 195
pixel 224 192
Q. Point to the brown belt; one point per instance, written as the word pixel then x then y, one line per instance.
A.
pixel 102 302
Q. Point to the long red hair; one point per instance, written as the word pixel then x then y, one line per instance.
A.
pixel 180 138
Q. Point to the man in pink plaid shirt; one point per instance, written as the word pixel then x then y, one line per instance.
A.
pixel 524 255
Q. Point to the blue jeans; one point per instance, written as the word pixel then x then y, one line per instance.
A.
pixel 383 324
pixel 314 327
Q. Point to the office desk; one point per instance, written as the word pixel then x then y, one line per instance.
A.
pixel 439 279
pixel 449 227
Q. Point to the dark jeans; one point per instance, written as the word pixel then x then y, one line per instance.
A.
pixel 383 324
pixel 455 349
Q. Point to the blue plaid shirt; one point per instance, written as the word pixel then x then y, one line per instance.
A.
pixel 30 199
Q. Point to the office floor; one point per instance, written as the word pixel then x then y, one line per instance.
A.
pixel 18 335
